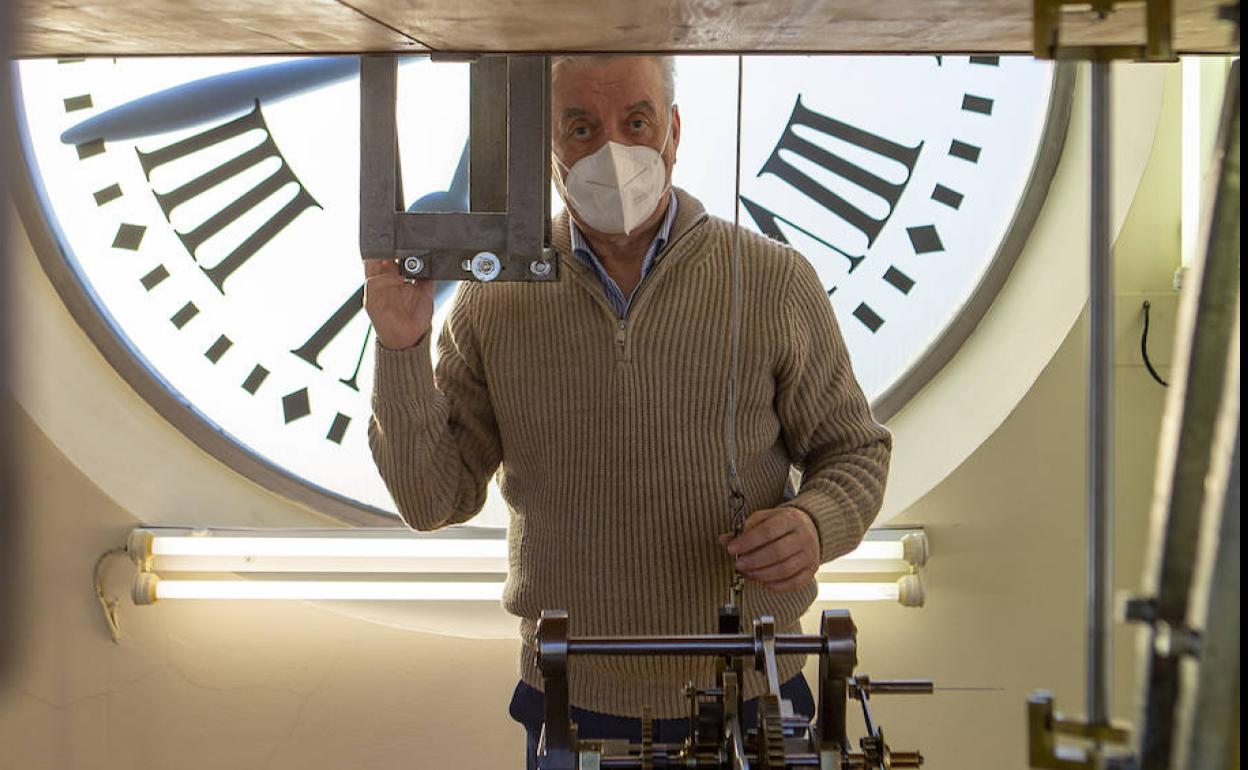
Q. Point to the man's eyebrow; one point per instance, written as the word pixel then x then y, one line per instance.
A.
pixel 573 112
pixel 644 104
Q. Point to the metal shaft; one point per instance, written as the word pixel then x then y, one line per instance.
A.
pixel 715 645
pixel 1100 406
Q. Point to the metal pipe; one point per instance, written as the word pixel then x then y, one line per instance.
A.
pixel 1100 405
pixel 714 645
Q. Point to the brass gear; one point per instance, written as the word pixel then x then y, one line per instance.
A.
pixel 771 733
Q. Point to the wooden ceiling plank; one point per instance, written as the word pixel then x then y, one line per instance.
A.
pixel 177 27
pixel 114 27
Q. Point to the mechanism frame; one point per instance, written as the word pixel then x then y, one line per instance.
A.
pixel 716 738
pixel 506 234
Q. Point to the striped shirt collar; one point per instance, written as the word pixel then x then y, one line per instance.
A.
pixel 585 253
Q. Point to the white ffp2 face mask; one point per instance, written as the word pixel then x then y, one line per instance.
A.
pixel 616 188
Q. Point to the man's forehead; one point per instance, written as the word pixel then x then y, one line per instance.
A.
pixel 584 84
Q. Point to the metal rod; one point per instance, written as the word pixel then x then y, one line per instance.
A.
pixel 897 686
pixel 1100 405
pixel 692 645
pixel 675 761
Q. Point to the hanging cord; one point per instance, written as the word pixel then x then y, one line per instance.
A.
pixel 736 498
pixel 1144 349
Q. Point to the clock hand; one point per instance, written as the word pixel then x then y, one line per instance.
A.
pixel 213 97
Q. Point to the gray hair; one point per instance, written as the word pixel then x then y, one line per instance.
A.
pixel 667 70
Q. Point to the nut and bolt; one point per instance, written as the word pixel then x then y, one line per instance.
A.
pixel 486 266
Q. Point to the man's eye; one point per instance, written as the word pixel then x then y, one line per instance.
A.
pixel 638 124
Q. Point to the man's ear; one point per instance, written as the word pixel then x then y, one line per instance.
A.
pixel 675 127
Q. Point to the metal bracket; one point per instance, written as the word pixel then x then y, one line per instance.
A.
pixel 1043 750
pixel 836 668
pixel 505 234
pixel 1159 23
pixel 557 742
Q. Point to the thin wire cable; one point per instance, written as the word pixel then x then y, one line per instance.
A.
pixel 736 499
pixel 1144 348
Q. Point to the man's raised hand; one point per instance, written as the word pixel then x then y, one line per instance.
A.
pixel 779 547
pixel 401 311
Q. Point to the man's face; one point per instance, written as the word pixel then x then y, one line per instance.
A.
pixel 619 99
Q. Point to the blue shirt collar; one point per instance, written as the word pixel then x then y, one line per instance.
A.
pixel 585 253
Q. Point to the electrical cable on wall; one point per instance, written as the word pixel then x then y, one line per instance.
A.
pixel 1144 349
pixel 108 603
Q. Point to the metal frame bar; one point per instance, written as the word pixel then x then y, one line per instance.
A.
pixel 1197 398
pixel 1100 405
pixel 508 238
pixel 1208 724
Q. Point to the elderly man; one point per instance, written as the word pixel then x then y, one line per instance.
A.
pixel 599 401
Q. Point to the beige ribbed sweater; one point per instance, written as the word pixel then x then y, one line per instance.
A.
pixel 611 438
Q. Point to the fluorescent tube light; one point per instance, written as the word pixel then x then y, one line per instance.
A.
pixel 401 551
pixel 149 588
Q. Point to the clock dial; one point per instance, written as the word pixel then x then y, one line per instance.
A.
pixel 208 208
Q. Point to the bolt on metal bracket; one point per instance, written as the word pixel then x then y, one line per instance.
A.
pixel 508 177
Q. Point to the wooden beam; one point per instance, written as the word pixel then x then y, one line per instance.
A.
pixel 116 27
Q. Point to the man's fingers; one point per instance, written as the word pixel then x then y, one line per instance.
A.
pixel 758 517
pixel 752 521
pixel 775 552
pixel 765 530
pixel 794 565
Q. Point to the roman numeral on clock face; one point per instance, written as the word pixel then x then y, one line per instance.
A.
pixel 791 142
pixel 233 211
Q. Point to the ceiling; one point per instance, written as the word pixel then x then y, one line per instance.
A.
pixel 182 27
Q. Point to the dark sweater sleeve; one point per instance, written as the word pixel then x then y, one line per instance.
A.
pixel 433 435
pixel 841 451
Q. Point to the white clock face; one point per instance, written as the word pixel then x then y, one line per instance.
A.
pixel 209 210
